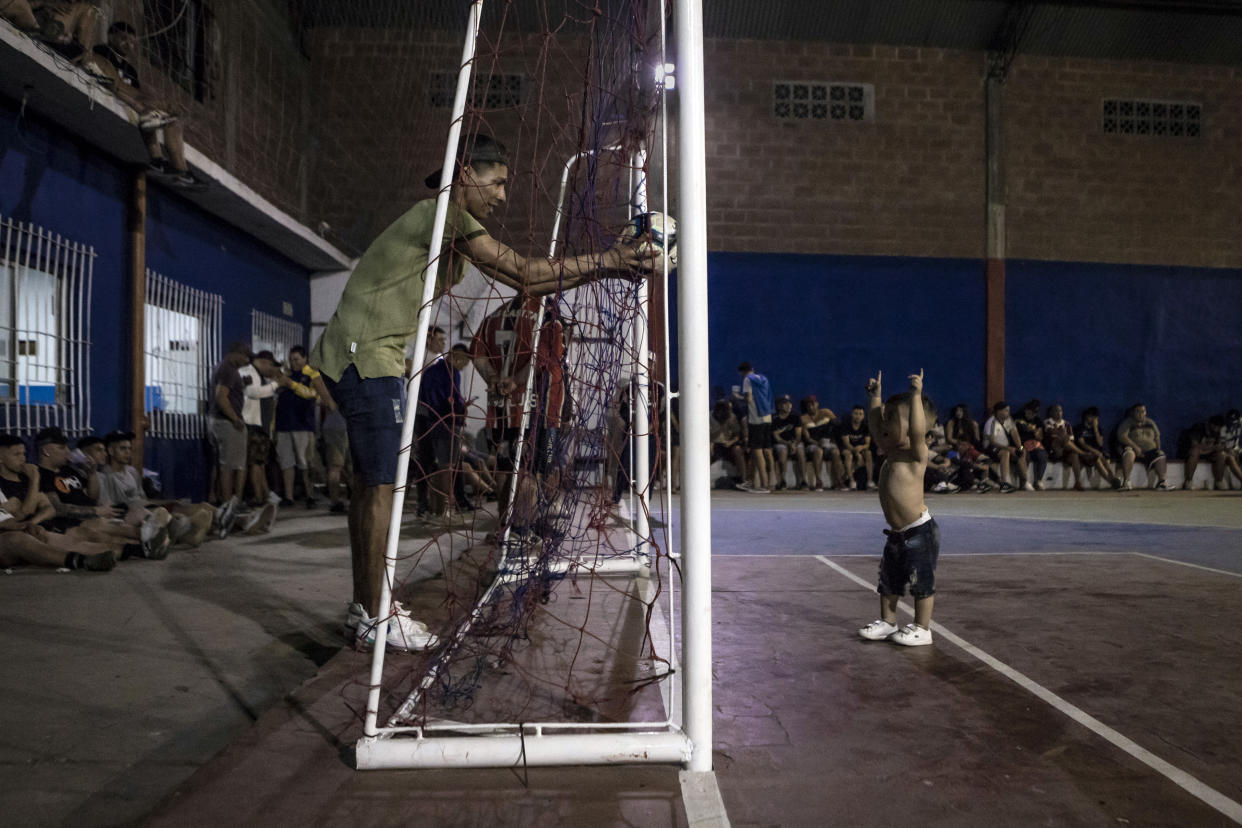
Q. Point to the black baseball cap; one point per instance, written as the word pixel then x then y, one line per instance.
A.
pixel 88 441
pixel 480 149
pixel 117 437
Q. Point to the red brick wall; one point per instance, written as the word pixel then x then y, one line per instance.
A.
pixel 908 184
pixel 1078 194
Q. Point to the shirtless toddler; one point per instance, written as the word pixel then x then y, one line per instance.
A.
pixel 898 427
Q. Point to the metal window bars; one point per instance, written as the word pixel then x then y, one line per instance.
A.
pixel 45 292
pixel 271 333
pixel 182 346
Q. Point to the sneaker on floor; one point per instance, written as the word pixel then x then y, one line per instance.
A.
pixel 877 630
pixel 179 528
pixel 1006 488
pixel 1027 487
pixel 1126 486
pixel 911 635
pixel 285 502
pixel 744 487
pixel 311 503
pixel 853 487
pixel 273 498
pixel 871 486
pixel 1163 486
pixel 1039 485
pixel 155 548
pixel 258 521
pixel 355 614
pixel 200 525
pixel 404 633
pixel 226 517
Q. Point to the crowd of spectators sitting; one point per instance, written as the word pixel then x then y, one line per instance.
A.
pixel 72 30
pixel 815 449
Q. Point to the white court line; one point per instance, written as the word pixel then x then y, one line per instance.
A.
pixel 701 796
pixel 1185 563
pixel 1121 519
pixel 1208 795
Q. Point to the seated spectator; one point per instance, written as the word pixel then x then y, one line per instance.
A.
pixel 1090 442
pixel 1207 442
pixel 961 428
pixel 1232 432
pixel 787 444
pixel 20 14
pixel 69 28
pixel 109 63
pixel 856 449
pixel 1031 432
pixel 120 484
pixel 477 469
pixel 1138 438
pixel 940 472
pixel 822 428
pixel 1002 443
pixel 1059 440
pixel 295 424
pixel 72 497
pixel 973 467
pixel 726 436
pixel 22 508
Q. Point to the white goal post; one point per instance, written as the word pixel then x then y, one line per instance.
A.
pixel 685 736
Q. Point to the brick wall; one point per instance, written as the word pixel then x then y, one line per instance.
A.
pixel 1078 194
pixel 908 184
pixel 254 120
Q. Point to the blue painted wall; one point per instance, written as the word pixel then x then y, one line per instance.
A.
pixel 1079 334
pixel 68 187
pixel 824 324
pixel 1112 335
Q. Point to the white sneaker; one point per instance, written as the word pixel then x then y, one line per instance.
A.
pixel 404 633
pixel 1027 487
pixel 871 486
pixel 853 485
pixel 877 630
pixel 911 635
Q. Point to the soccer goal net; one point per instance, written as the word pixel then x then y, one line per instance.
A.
pixel 543 561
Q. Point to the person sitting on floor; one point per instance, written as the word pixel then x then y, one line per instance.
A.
pixel 120 484
pixel 74 497
pixel 22 507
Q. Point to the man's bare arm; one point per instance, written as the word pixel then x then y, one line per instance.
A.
pixel 875 418
pixel 540 276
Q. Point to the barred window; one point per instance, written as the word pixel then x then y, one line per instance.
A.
pixel 45 293
pixel 492 92
pixel 271 333
pixel 823 101
pixel 182 350
pixel 1171 119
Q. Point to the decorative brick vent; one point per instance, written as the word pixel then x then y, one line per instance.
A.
pixel 822 101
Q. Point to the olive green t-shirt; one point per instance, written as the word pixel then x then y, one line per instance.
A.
pixel 378 312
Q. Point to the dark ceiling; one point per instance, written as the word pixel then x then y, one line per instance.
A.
pixel 1191 31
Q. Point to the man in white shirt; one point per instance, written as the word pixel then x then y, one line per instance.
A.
pixel 1002 444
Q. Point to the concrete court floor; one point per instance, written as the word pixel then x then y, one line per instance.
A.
pixel 163 690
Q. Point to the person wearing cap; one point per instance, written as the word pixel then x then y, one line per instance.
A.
pixel 362 350
pixel 74 497
pixel 90 453
pixel 228 429
pixel 120 485
pixel 23 507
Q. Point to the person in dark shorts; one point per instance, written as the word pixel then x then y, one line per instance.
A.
pixel 899 426
pixel 856 449
pixel 1138 438
pixel 361 352
pixel 787 443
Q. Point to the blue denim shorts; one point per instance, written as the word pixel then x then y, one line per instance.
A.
pixel 372 409
pixel 910 560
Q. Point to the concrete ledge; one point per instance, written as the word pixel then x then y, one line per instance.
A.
pixel 49 85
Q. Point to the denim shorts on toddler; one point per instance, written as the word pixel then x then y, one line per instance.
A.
pixel 909 560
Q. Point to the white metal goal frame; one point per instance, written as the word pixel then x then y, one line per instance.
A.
pixel 685 736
